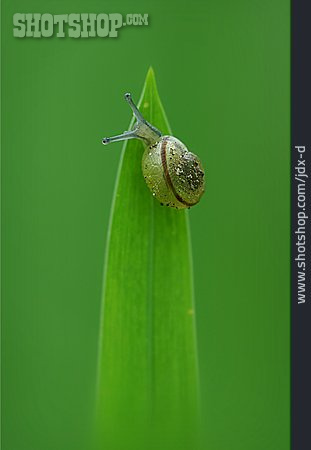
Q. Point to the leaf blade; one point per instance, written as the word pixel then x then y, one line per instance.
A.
pixel 148 364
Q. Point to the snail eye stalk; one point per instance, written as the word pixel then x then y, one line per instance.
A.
pixel 120 137
pixel 136 112
pixel 142 129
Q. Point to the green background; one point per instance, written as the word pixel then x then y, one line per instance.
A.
pixel 223 74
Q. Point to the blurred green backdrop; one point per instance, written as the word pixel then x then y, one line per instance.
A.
pixel 223 74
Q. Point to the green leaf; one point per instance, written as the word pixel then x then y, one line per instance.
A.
pixel 147 367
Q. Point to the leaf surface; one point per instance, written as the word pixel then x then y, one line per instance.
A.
pixel 147 362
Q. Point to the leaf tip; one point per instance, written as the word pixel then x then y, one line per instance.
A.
pixel 150 73
pixel 150 78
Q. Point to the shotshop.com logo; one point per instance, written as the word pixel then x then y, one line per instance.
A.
pixel 74 25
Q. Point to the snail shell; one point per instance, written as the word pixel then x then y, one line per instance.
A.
pixel 173 174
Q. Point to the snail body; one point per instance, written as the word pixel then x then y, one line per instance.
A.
pixel 173 174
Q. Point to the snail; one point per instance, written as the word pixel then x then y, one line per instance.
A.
pixel 173 174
